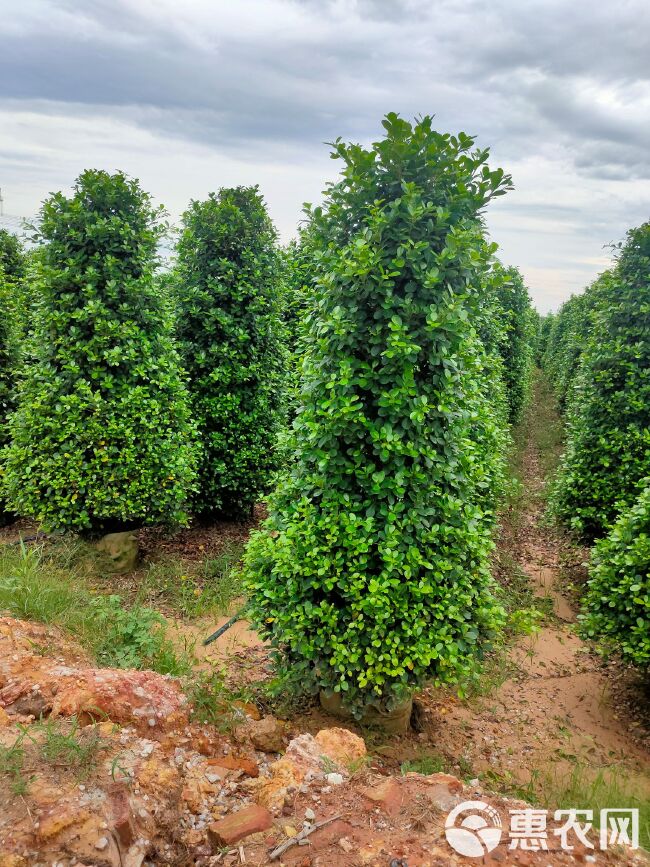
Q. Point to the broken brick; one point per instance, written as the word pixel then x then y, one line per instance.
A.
pixel 236 826
pixel 121 816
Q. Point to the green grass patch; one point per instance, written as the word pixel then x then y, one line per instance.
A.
pixel 194 590
pixel 35 586
pixel 436 763
pixel 581 787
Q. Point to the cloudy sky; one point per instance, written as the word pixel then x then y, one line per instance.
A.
pixel 193 95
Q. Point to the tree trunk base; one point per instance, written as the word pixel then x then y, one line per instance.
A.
pixel 394 721
pixel 121 551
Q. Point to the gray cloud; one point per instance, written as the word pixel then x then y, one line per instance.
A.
pixel 561 91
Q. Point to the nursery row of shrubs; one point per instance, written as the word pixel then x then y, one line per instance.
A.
pixel 380 359
pixel 597 353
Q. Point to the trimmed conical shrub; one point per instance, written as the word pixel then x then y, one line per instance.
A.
pixel 371 573
pixel 229 300
pixel 101 438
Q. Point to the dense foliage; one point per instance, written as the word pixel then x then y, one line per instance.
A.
pixel 101 438
pixel 299 268
pixel 7 371
pixel 516 346
pixel 617 604
pixel 229 299
pixel 568 337
pixel 371 574
pixel 13 261
pixel 608 449
pixel 545 328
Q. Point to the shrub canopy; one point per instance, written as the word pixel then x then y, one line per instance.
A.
pixel 101 438
pixel 370 574
pixel 229 298
pixel 617 604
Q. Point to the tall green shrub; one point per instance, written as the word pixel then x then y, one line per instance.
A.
pixel 608 449
pixel 617 603
pixel 370 574
pixel 229 298
pixel 545 328
pixel 101 438
pixel 7 372
pixel 517 346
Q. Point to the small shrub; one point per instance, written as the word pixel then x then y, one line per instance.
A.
pixel 13 261
pixel 517 347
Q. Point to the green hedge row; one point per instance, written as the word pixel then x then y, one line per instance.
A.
pixel 598 357
pixel 601 366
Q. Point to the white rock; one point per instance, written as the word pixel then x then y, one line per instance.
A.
pixel 309 814
pixel 334 779
pixel 102 843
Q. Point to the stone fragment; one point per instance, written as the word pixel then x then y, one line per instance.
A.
pixel 266 734
pixel 335 779
pixel 453 783
pixel 386 794
pixel 61 816
pixel 237 763
pixel 142 699
pixel 340 745
pixel 121 550
pixel 248 709
pixel 272 791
